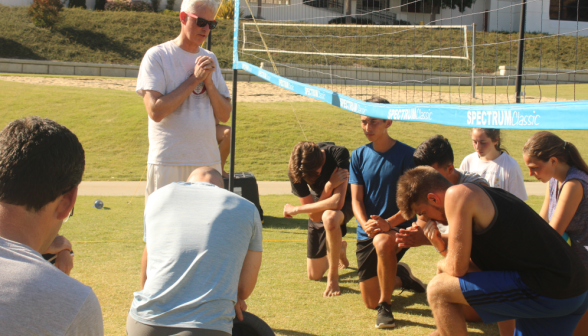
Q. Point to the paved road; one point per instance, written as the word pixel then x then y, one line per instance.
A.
pixel 97 188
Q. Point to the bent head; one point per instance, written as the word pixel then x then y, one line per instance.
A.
pixel 203 9
pixel 545 151
pixel 421 191
pixel 437 153
pixel 207 174
pixel 487 141
pixel 306 162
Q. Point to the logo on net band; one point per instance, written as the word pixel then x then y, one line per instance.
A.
pixel 502 118
pixel 314 93
pixel 409 114
pixel 352 106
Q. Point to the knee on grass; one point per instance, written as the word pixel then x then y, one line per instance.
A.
pixel 314 276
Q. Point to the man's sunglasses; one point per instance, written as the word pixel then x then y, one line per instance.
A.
pixel 200 22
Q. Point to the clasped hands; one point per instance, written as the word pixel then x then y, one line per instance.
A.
pixel 203 69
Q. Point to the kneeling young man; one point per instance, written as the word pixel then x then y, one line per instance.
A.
pixel 375 169
pixel 319 178
pixel 520 268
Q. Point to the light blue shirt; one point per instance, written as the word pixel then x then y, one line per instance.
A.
pixel 197 236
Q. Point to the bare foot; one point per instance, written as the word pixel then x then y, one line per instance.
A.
pixel 225 174
pixel 332 289
pixel 343 262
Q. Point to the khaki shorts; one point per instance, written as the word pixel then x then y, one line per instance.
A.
pixel 158 176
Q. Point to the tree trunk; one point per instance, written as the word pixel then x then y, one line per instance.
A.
pixel 258 9
pixel 434 9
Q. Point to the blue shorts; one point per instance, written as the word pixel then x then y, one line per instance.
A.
pixel 499 296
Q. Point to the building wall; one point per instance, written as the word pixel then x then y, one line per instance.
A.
pixel 295 12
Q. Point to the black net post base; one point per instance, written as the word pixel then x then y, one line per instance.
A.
pixel 246 186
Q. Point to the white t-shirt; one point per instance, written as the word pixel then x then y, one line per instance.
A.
pixel 186 137
pixel 503 172
pixel 36 298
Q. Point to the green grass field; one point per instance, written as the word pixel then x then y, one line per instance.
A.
pixel 108 247
pixel 112 126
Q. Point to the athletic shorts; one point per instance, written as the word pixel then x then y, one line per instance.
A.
pixel 499 296
pixel 158 176
pixel 367 258
pixel 316 244
pixel 135 328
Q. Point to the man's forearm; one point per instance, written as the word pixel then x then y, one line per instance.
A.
pixel 221 106
pixel 396 220
pixel 160 106
pixel 330 203
pixel 359 212
pixel 144 268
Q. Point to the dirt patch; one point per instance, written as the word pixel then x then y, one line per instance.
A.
pixel 267 93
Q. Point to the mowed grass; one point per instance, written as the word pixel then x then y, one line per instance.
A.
pixel 112 126
pixel 108 247
pixel 108 251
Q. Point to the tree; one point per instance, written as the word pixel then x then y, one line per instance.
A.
pixel 435 5
pixel 258 9
pixel 45 13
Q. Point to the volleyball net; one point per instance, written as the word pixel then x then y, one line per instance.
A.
pixel 440 61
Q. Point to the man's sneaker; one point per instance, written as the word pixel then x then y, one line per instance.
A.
pixel 409 281
pixel 385 318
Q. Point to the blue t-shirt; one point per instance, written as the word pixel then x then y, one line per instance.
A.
pixel 197 237
pixel 378 173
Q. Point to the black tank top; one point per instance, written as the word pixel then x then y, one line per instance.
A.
pixel 518 239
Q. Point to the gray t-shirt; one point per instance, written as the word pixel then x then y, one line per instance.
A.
pixel 36 298
pixel 469 177
pixel 197 236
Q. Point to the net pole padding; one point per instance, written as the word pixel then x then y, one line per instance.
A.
pixel 521 52
pixel 473 60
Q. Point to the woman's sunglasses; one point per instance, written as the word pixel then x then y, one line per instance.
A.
pixel 200 22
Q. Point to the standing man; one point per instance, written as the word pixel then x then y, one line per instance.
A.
pixel 201 260
pixel 520 268
pixel 319 175
pixel 375 169
pixel 41 166
pixel 183 91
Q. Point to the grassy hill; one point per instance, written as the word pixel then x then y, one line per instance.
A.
pixel 123 38
pixel 96 36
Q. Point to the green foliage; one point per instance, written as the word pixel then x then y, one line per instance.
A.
pixel 77 4
pixel 113 37
pixel 169 12
pixel 100 4
pixel 155 5
pixel 227 10
pixel 45 13
pixel 343 20
pixel 170 5
pixel 128 6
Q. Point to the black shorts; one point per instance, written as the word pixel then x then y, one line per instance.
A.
pixel 367 258
pixel 316 244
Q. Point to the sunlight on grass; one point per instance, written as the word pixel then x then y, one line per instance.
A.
pixel 112 126
pixel 284 298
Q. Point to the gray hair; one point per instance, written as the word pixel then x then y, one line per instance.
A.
pixel 190 6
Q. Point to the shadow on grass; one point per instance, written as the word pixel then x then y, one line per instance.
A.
pixel 270 222
pixel 12 49
pixel 292 332
pixel 98 41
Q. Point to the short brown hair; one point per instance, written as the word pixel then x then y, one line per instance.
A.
pixel 414 186
pixel 305 160
pixel 39 161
